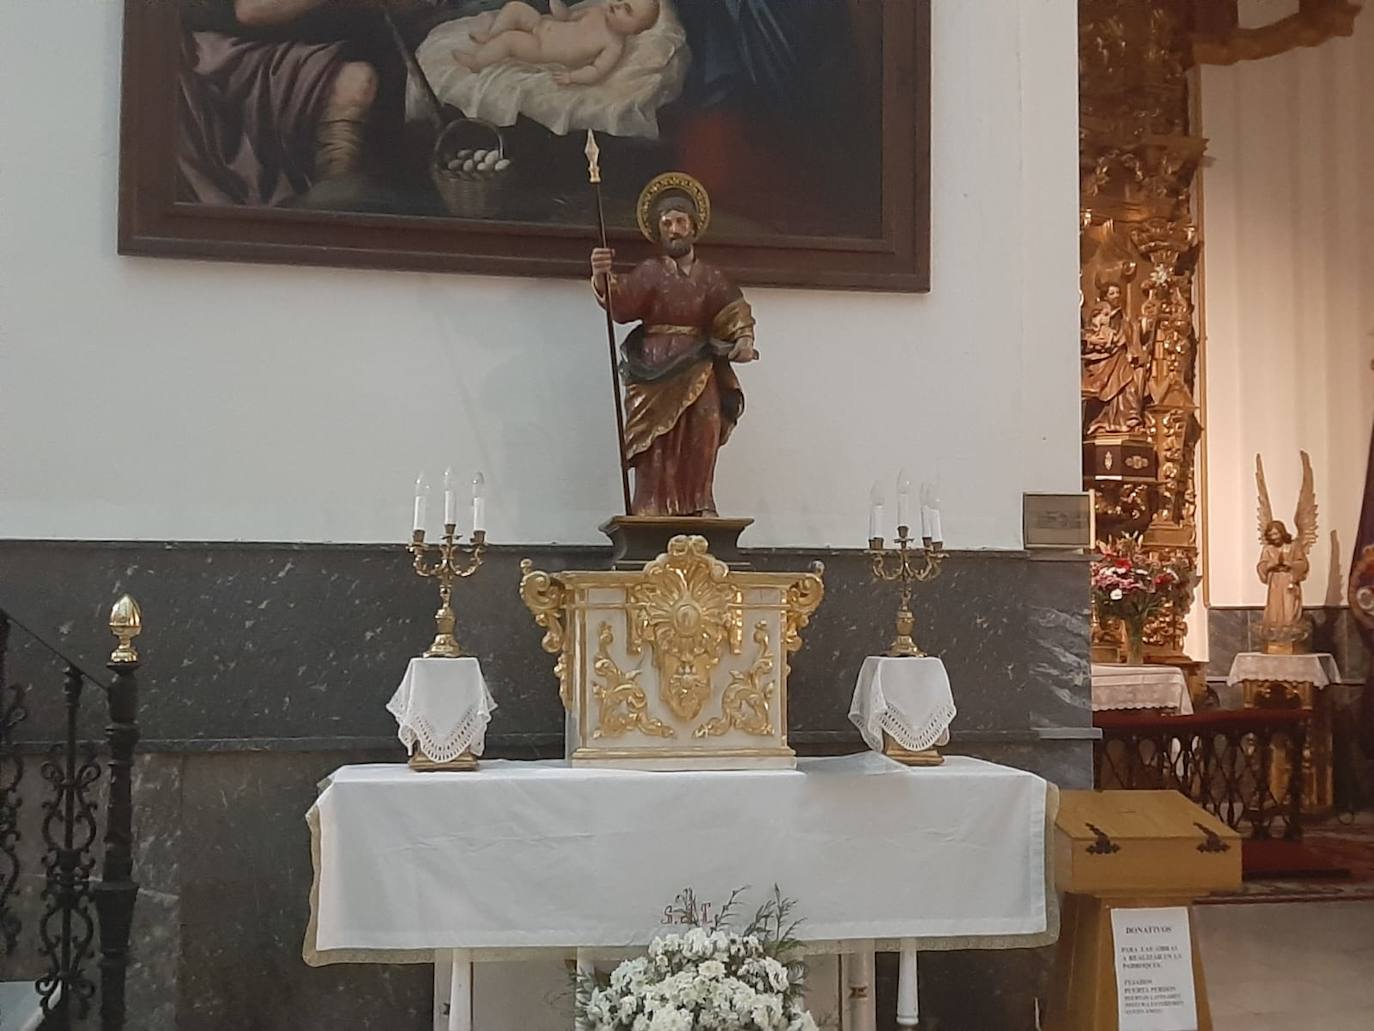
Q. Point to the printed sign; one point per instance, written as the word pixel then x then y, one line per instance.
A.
pixel 1154 970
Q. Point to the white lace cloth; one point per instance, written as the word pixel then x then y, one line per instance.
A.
pixel 908 698
pixel 1140 687
pixel 1318 669
pixel 443 708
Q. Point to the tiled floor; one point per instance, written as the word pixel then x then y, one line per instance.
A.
pixel 1306 966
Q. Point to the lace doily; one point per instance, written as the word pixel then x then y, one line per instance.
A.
pixel 442 707
pixel 910 699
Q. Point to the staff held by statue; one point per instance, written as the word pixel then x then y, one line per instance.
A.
pixel 594 175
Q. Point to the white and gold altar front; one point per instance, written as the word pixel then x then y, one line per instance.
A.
pixel 679 665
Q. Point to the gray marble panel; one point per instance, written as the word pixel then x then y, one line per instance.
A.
pixel 1234 630
pixel 246 874
pixel 1228 634
pixel 159 843
pixel 269 642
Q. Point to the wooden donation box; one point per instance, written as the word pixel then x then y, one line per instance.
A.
pixel 678 662
pixel 1128 850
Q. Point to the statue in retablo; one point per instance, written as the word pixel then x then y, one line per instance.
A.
pixel 1283 563
pixel 682 397
pixel 1116 361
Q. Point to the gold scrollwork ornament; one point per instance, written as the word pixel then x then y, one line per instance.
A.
pixel 745 704
pixel 622 704
pixel 803 599
pixel 683 607
pixel 544 596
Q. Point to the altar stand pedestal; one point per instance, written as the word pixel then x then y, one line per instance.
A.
pixel 442 709
pixel 1128 850
pixel 903 707
pixel 676 663
pixel 528 860
pixel 1295 682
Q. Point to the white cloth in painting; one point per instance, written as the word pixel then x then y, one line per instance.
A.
pixel 542 855
pixel 442 708
pixel 1140 687
pixel 907 697
pixel 649 75
pixel 1317 668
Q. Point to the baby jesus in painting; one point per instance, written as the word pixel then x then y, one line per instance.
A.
pixel 586 43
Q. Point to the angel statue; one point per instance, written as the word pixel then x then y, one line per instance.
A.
pixel 1283 564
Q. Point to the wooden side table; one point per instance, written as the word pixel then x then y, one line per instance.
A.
pixel 1295 682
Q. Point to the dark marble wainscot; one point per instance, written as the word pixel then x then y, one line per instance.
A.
pixel 267 666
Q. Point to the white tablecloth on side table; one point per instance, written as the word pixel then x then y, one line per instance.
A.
pixel 537 855
pixel 1318 668
pixel 1140 687
pixel 442 708
pixel 909 698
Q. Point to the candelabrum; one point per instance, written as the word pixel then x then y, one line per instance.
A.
pixel 912 566
pixel 447 568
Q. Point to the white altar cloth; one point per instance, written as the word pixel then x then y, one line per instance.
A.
pixel 1140 687
pixel 539 855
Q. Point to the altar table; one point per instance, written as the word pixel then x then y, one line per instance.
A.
pixel 455 868
pixel 1163 688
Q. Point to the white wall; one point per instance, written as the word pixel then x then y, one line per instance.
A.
pixel 1289 263
pixel 159 399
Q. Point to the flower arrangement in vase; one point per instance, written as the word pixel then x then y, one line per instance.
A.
pixel 710 978
pixel 1132 585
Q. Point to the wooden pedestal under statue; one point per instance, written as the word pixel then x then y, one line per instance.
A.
pixel 679 663
pixel 1120 850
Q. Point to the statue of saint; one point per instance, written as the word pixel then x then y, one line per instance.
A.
pixel 1283 564
pixel 1116 362
pixel 682 398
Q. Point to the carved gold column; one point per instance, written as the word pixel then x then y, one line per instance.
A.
pixel 1139 252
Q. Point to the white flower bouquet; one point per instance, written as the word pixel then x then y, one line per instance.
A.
pixel 708 979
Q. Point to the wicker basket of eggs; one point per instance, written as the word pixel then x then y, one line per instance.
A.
pixel 470 169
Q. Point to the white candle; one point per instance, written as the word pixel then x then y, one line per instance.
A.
pixel 450 499
pixel 876 503
pixel 903 500
pixel 479 502
pixel 930 512
pixel 421 500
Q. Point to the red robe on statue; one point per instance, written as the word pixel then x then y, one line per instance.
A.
pixel 682 397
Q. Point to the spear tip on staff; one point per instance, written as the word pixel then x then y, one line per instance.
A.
pixel 593 153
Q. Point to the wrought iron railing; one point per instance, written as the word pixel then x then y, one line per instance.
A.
pixel 80 912
pixel 1242 765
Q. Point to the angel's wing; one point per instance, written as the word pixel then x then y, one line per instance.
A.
pixel 1305 518
pixel 1266 510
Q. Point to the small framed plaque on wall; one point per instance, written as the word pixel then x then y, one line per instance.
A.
pixel 1059 521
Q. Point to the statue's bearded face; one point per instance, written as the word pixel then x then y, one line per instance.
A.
pixel 677 232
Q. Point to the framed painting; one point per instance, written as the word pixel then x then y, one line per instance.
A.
pixel 448 135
